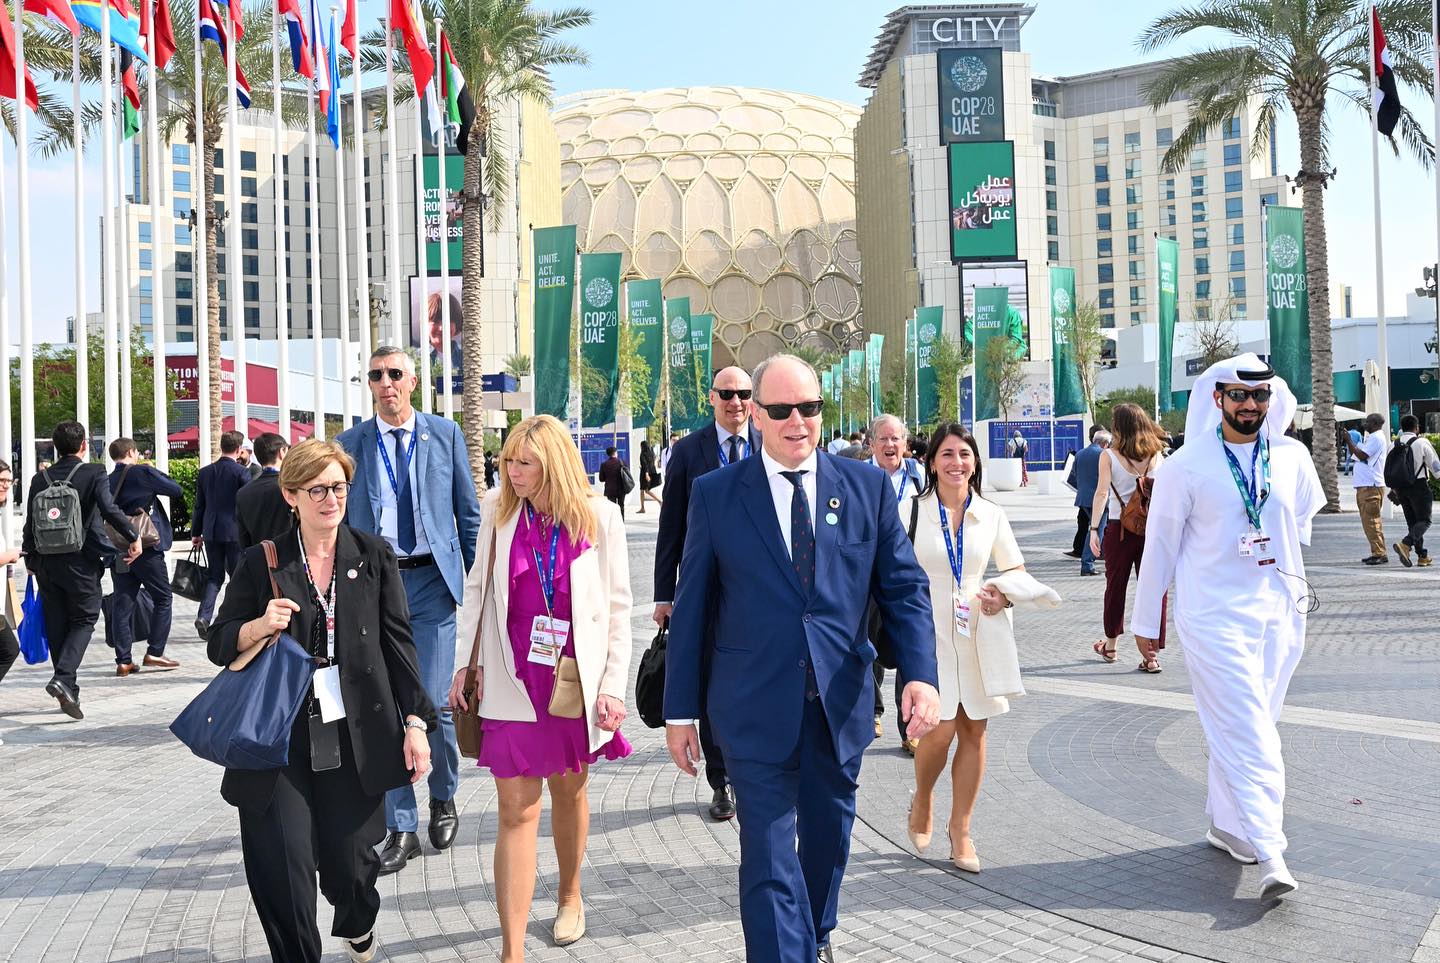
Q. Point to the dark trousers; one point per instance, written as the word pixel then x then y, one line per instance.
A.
pixel 9 648
pixel 1123 552
pixel 1082 530
pixel 223 556
pixel 715 773
pixel 70 598
pixel 619 501
pixel 789 894
pixel 878 672
pixel 148 572
pixel 1417 503
pixel 317 822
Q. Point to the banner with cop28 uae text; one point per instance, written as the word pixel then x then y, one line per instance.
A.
pixel 1068 397
pixel 702 336
pixel 599 338
pixel 992 306
pixel 646 316
pixel 1287 298
pixel 680 395
pixel 1167 253
pixel 554 308
pixel 929 327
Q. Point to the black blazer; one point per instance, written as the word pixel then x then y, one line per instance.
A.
pixel 215 491
pixel 610 477
pixel 261 511
pixel 694 455
pixel 142 484
pixel 95 504
pixel 379 674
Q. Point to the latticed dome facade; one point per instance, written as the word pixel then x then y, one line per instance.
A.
pixel 741 199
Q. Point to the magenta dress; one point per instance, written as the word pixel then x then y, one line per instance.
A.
pixel 548 746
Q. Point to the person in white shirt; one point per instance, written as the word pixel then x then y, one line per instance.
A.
pixel 837 443
pixel 1228 515
pixel 1370 485
pixel 1415 500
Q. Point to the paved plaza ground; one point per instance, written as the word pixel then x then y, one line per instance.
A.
pixel 116 846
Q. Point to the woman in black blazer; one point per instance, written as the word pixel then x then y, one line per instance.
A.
pixel 324 810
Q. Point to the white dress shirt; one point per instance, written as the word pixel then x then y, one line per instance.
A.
pixel 1371 474
pixel 782 491
pixel 389 517
pixel 725 436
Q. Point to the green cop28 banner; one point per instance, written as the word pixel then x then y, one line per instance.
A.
pixel 1167 253
pixel 646 317
pixel 992 305
pixel 929 326
pixel 855 376
pixel 837 394
pixel 702 334
pixel 873 353
pixel 599 337
pixel 680 394
pixel 982 202
pixel 1287 298
pixel 554 307
pixel 910 411
pixel 1068 397
pixel 972 94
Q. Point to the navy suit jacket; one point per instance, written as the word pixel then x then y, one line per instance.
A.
pixel 1087 476
pixel 214 516
pixel 765 629
pixel 449 506
pixel 138 494
pixel 692 456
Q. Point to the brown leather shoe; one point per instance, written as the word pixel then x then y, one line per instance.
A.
pixel 126 668
pixel 160 662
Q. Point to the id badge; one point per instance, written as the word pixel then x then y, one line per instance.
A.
pixel 324 745
pixel 547 640
pixel 327 693
pixel 1247 547
pixel 1264 554
pixel 962 615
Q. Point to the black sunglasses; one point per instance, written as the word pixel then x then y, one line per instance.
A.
pixel 375 374
pixel 1238 395
pixel 727 393
pixel 807 409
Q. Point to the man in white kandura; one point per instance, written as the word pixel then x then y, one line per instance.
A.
pixel 1229 513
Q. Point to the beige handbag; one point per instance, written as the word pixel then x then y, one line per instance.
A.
pixel 469 731
pixel 12 601
pixel 566 699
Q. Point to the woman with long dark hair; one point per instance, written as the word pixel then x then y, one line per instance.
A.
pixel 1136 450
pixel 958 532
pixel 649 475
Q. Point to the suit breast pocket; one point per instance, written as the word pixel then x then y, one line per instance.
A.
pixel 857 549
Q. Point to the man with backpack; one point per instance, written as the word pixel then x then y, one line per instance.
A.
pixel 1407 471
pixel 65 546
pixel 1370 485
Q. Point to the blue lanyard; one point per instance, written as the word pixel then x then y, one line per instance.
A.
pixel 955 549
pixel 744 447
pixel 1254 502
pixel 385 456
pixel 546 575
pixel 905 465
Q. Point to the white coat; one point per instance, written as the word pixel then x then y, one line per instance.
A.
pixel 995 634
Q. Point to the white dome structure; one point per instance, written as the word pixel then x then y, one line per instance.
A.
pixel 741 199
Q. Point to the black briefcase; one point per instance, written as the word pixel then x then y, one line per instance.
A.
pixel 139 619
pixel 650 681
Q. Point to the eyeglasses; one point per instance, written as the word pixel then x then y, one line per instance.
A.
pixel 375 374
pixel 6 482
pixel 807 409
pixel 317 493
pixel 727 393
pixel 1238 395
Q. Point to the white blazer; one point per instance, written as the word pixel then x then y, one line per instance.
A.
pixel 599 617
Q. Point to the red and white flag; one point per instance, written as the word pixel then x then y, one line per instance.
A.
pixel 1387 92
pixel 7 65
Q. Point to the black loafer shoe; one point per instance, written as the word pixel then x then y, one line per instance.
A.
pixel 399 849
pixel 722 807
pixel 69 700
pixel 824 954
pixel 201 628
pixel 443 823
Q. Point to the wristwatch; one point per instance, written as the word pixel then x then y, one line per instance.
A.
pixel 416 724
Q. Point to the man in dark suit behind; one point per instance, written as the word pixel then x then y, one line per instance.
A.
pixel 213 525
pixel 70 583
pixel 261 512
pixel 135 487
pixel 782 554
pixel 614 481
pixel 1087 476
pixel 728 439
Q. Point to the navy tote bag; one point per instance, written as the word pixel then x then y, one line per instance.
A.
pixel 242 719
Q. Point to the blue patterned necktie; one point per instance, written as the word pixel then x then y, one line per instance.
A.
pixel 802 535
pixel 404 498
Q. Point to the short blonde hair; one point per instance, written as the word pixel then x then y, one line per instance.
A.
pixel 562 475
pixel 309 458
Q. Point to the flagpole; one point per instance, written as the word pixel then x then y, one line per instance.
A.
pixel 1381 350
pixel 235 295
pixel 316 301
pixel 202 269
pixel 158 243
pixel 22 183
pixel 108 287
pixel 392 186
pixel 82 330
pixel 346 409
pixel 446 363
pixel 122 295
pixel 6 413
pixel 1435 93
pixel 422 269
pixel 282 298
pixel 362 231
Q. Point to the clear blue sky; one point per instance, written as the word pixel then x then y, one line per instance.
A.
pixel 819 48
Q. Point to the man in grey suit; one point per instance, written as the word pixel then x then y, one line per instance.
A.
pixel 1086 477
pixel 433 527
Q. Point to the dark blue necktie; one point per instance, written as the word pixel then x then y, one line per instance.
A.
pixel 734 450
pixel 404 499
pixel 802 536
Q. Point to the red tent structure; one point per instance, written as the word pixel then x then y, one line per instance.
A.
pixel 190 437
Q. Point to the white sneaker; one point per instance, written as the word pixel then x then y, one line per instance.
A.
pixel 1239 850
pixel 1275 879
pixel 363 949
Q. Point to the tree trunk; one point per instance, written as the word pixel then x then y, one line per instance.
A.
pixel 212 287
pixel 472 260
pixel 1317 279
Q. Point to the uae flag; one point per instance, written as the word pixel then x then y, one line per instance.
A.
pixel 459 108
pixel 130 102
pixel 1387 93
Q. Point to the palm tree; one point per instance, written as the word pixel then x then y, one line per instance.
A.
pixel 505 49
pixel 1293 54
pixel 176 87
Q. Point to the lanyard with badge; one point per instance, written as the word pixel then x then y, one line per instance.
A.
pixel 327 705
pixel 741 444
pixel 956 550
pixel 385 457
pixel 1253 493
pixel 547 633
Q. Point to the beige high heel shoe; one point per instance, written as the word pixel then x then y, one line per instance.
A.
pixel 569 924
pixel 921 841
pixel 968 864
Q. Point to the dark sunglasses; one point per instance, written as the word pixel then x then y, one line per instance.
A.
pixel 375 374
pixel 1238 395
pixel 807 409
pixel 727 393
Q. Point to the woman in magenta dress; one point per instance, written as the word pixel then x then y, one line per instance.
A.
pixel 549 594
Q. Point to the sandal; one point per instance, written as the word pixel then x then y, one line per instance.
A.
pixel 1151 666
pixel 1105 652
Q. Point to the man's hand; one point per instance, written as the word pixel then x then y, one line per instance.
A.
pixel 197 541
pixel 920 707
pixel 662 612
pixel 684 745
pixel 134 551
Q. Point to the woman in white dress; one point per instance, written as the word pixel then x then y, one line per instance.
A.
pixel 955 556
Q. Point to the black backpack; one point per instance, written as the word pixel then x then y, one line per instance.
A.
pixel 1400 471
pixel 875 625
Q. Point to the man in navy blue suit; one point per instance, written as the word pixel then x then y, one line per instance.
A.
pixel 135 488
pixel 1087 476
pixel 782 554
pixel 728 439
pixel 214 524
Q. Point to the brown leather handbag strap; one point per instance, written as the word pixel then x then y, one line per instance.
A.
pixel 484 597
pixel 272 563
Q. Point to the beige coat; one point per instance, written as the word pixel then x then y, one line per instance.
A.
pixel 599 617
pixel 995 634
pixel 987 536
